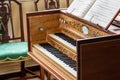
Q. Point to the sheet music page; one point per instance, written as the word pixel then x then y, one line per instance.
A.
pixel 80 7
pixel 103 11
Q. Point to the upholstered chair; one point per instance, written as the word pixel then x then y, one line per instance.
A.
pixel 13 48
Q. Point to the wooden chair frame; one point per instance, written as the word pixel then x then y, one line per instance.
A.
pixel 6 37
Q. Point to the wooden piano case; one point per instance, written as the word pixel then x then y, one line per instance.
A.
pixel 98 58
pixel 97 54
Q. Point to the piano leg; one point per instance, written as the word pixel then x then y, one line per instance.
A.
pixel 48 76
pixel 42 73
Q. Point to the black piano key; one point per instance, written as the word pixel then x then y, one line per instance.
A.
pixel 59 55
pixel 75 68
pixel 66 38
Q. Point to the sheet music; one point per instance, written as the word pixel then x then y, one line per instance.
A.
pixel 80 7
pixel 103 11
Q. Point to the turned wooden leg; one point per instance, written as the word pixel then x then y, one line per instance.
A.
pixel 42 73
pixel 23 72
pixel 48 76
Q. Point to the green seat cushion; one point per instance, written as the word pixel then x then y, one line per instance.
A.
pixel 13 51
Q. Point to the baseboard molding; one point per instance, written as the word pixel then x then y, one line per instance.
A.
pixel 8 70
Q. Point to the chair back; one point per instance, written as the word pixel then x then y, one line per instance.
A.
pixel 11 22
pixel 52 4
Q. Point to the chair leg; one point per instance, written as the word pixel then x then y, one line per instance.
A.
pixel 23 71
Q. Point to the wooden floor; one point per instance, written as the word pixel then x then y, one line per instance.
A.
pixel 37 72
pixel 14 78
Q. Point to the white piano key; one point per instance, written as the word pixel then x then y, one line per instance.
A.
pixel 63 41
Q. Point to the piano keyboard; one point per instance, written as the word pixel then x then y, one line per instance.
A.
pixel 60 58
pixel 65 39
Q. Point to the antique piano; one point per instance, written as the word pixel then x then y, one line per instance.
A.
pixel 71 48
